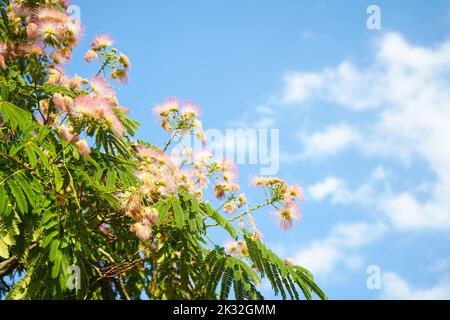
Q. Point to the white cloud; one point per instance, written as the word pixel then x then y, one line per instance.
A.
pixel 338 192
pixel 322 256
pixel 407 87
pixel 406 213
pixel 396 288
pixel 323 189
pixel 328 142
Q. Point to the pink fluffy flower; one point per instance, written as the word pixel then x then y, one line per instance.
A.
pixel 91 55
pixel 287 215
pixel 124 61
pixel 2 55
pixel 167 107
pixel 83 147
pixel 101 41
pixel 32 31
pixel 66 132
pixel 142 232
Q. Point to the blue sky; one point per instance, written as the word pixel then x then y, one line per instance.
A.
pixel 362 116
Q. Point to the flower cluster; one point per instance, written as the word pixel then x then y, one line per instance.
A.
pixel 100 50
pixel 180 118
pixel 46 31
pixel 143 217
pixel 281 193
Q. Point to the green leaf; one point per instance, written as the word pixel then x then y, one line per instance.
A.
pixel 54 249
pixel 217 217
pixel 178 212
pixel 49 238
pixel 18 196
pixel 59 182
pixel 42 156
pixel 27 188
pixel 56 264
pixel 111 179
pixel 17 117
pixel 163 210
pixel 4 253
pixel 4 200
pixel 31 156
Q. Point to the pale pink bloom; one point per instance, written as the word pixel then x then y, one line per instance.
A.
pixel 91 55
pixel 48 29
pixel 242 200
pixel 257 235
pixel 83 106
pixel 141 231
pixel 229 208
pixel 231 247
pixel 114 123
pixel 52 14
pixel 289 261
pixel 102 41
pixel 167 107
pixel 2 55
pixel 100 86
pixel 198 193
pixel 120 74
pixel 83 147
pixel 63 103
pixel 149 217
pixel 190 110
pixel 36 49
pixel 287 215
pixel 74 29
pixel 296 192
pixel 66 132
pixel 124 61
pixel 229 170
pixel 56 77
pixel 76 82
pixel 259 181
pixel 32 31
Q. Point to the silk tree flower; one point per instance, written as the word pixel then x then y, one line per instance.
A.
pixel 83 147
pixel 287 215
pixel 66 132
pixel 62 103
pixel 229 208
pixel 288 261
pixel 101 87
pixel 32 31
pixel 242 200
pixel 231 247
pixel 101 42
pixel 142 232
pixel 51 14
pixel 120 74
pixel 124 61
pixel 76 82
pixel 2 55
pixel 48 30
pixel 169 106
pixel 190 111
pixel 91 55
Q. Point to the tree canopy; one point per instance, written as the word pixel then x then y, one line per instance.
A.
pixel 89 212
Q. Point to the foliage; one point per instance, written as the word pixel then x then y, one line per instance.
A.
pixel 76 190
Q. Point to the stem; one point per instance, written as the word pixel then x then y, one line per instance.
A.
pixel 243 214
